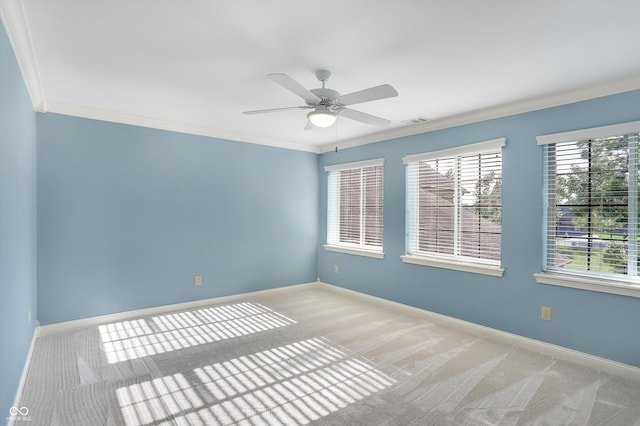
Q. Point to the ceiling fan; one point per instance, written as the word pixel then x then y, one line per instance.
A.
pixel 327 104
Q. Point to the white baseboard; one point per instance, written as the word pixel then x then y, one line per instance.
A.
pixel 60 327
pixel 25 372
pixel 560 352
pixel 571 355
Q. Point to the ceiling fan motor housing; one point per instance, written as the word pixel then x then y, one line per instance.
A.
pixel 326 95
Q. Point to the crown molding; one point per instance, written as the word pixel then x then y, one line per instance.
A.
pixel 14 21
pixel 161 124
pixel 534 104
pixel 13 18
pixel 15 24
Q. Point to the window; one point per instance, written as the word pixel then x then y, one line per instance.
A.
pixel 355 208
pixel 591 205
pixel 454 208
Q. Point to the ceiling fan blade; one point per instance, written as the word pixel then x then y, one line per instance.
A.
pixel 363 117
pixel 371 94
pixel 293 86
pixel 262 111
pixel 309 126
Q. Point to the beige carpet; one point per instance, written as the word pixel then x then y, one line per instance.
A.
pixel 310 357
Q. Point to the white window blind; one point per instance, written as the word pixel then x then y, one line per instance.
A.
pixel 591 203
pixel 356 205
pixel 454 203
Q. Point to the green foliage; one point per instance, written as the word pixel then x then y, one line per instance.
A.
pixel 488 197
pixel 616 256
pixel 597 187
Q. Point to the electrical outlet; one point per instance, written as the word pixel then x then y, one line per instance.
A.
pixel 545 313
pixel 198 280
pixel 335 268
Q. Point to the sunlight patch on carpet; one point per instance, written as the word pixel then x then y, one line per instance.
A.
pixel 295 384
pixel 127 340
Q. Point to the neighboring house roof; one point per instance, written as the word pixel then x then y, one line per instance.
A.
pixel 438 226
pixel 437 182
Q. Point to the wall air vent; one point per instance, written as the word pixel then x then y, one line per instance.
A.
pixel 415 121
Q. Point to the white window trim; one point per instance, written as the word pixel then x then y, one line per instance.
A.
pixel 476 148
pixel 574 279
pixel 354 165
pixel 441 261
pixel 359 251
pixel 438 262
pixel 593 133
pixel 354 248
pixel 584 282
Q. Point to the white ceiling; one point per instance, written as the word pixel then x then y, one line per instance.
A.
pixel 196 65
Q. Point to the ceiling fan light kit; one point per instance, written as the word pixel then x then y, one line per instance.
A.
pixel 327 104
pixel 322 117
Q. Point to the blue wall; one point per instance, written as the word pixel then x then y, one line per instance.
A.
pixel 17 224
pixel 601 324
pixel 127 216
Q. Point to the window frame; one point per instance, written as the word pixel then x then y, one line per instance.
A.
pixel 619 284
pixel 333 222
pixel 441 260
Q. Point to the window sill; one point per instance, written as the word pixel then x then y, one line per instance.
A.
pixel 588 283
pixel 354 250
pixel 476 268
